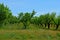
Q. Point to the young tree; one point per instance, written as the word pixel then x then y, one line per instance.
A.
pixel 47 20
pixel 25 18
pixel 41 20
pixel 57 22
pixel 55 19
pixel 4 12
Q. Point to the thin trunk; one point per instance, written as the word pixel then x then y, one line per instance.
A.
pixel 42 25
pixel 48 26
pixel 45 25
pixel 57 27
pixel 24 25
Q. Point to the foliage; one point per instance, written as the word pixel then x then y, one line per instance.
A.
pixel 27 18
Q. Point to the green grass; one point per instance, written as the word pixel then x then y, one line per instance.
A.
pixel 33 32
pixel 39 34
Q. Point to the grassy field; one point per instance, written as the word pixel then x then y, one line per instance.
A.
pixel 40 34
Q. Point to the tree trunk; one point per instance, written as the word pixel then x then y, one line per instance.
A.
pixel 42 25
pixel 24 25
pixel 57 27
pixel 45 25
pixel 48 26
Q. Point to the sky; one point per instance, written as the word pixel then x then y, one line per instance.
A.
pixel 40 6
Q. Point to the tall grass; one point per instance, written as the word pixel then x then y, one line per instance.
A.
pixel 29 35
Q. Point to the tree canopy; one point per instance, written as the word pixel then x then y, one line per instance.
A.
pixel 28 18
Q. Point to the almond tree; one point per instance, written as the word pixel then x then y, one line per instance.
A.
pixel 4 12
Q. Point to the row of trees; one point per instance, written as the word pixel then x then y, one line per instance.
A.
pixel 47 20
pixel 27 18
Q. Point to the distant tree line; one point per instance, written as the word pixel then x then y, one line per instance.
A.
pixel 46 20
